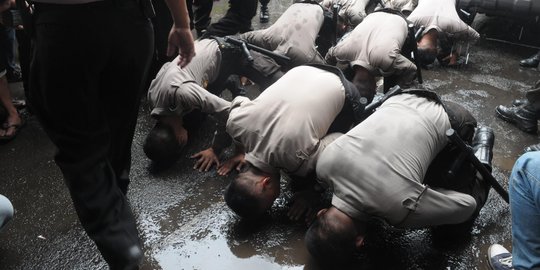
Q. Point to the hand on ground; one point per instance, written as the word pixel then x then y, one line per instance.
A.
pixel 304 204
pixel 205 160
pixel 237 161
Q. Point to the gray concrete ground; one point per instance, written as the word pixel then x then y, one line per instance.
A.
pixel 183 220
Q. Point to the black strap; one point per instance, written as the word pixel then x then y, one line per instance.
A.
pixel 395 12
pixel 357 102
pixel 463 128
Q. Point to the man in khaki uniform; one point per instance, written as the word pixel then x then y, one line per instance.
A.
pixel 176 91
pixel 374 47
pixel 443 28
pixel 351 12
pixel 405 6
pixel 286 128
pixel 293 34
pixel 383 168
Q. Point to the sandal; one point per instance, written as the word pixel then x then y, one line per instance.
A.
pixel 16 127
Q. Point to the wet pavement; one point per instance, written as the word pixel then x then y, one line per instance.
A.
pixel 185 224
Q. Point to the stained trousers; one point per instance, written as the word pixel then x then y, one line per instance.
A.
pixel 89 61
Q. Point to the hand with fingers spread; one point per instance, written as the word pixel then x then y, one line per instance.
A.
pixel 305 203
pixel 206 159
pixel 237 161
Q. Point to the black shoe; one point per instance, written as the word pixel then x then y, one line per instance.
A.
pixel 264 17
pixel 234 85
pixel 521 117
pixel 531 62
pixel 482 144
pixel 532 148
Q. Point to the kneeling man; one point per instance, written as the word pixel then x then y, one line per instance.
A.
pixel 393 166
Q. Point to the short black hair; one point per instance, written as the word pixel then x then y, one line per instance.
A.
pixel 426 56
pixel 161 145
pixel 328 244
pixel 241 201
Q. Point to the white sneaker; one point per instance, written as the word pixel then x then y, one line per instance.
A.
pixel 499 258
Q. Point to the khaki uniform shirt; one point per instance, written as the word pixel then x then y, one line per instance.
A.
pixel 375 44
pixel 401 5
pixel 283 128
pixel 177 91
pixel 351 11
pixel 442 16
pixel 293 34
pixel 378 167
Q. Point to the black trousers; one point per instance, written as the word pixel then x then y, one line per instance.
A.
pixel 89 61
pixel 201 14
pixel 236 20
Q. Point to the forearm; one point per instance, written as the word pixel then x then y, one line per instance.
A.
pixel 179 13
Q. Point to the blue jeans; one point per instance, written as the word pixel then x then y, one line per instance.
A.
pixel 525 208
pixel 6 211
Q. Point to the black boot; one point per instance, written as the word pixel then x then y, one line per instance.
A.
pixel 522 117
pixel 531 62
pixel 482 144
pixel 534 147
pixel 264 17
pixel 234 85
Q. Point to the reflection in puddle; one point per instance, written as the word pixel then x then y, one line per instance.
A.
pixel 204 243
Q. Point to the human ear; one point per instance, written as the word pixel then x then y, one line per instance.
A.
pixel 266 181
pixel 359 241
pixel 321 212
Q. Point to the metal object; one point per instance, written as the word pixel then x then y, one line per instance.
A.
pixel 335 11
pixel 486 174
pixel 264 51
pixel 415 37
pixel 246 52
pixel 369 109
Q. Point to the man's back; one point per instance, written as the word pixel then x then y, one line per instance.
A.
pixel 283 126
pixel 442 16
pixel 374 44
pixel 378 167
pixel 293 34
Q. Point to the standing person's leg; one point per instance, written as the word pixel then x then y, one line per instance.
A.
pixel 201 14
pixel 13 71
pixel 12 123
pixel 67 75
pixel 162 23
pixel 236 20
pixel 527 112
pixel 121 86
pixel 524 189
pixel 25 50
